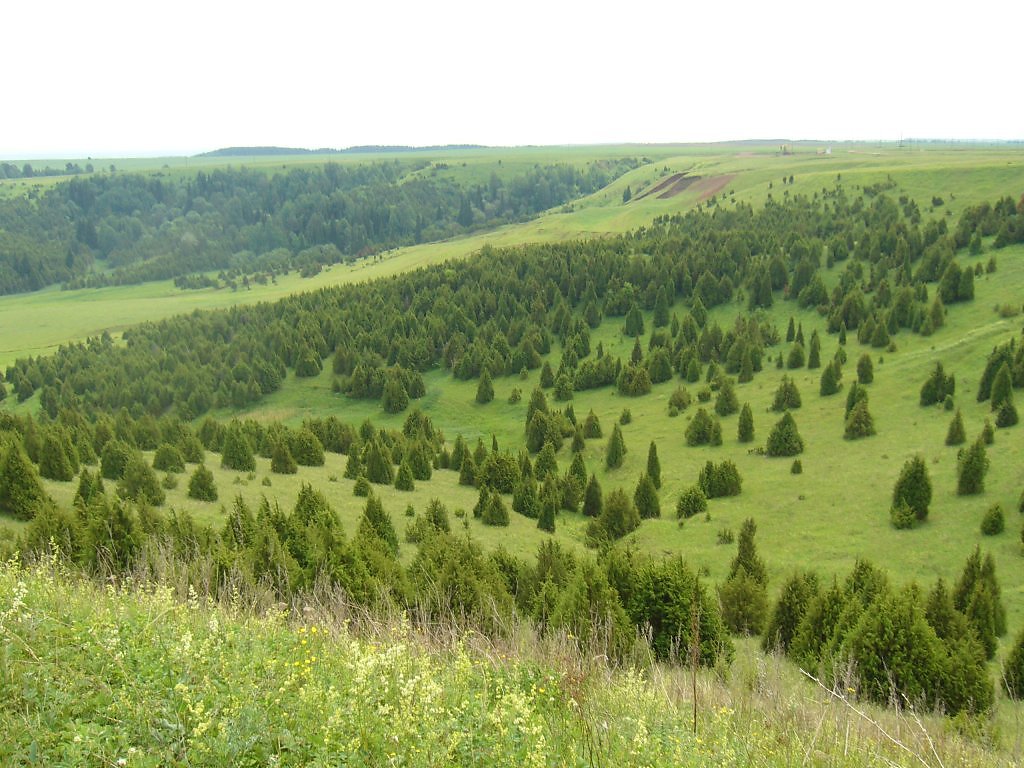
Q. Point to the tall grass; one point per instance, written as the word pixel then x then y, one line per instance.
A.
pixel 128 674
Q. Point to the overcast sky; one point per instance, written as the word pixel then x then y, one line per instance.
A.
pixel 108 78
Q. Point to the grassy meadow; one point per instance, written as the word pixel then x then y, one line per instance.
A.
pixel 127 676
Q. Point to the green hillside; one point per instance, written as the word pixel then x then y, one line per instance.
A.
pixel 418 429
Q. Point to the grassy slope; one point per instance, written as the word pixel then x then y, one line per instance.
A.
pixel 105 677
pixel 37 323
pixel 835 511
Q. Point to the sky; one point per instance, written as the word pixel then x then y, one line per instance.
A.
pixel 119 79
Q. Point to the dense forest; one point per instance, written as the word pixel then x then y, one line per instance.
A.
pixel 112 229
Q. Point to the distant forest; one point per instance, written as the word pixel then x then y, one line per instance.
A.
pixel 132 228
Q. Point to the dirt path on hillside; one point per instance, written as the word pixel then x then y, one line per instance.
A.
pixel 670 187
pixel 712 186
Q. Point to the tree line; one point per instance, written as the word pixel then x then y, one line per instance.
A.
pixel 141 227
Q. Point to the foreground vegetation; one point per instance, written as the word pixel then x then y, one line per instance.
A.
pixel 137 675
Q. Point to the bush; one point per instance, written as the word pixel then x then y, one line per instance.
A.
pixel 718 480
pixel 168 459
pixel 787 396
pixel 201 485
pixel 859 423
pixel 680 399
pixel 797 468
pixel 937 387
pixel 626 417
pixel 1007 415
pixel 361 487
pixel 994 522
pixel 901 515
pixel 744 604
pixel 956 435
pixel 699 430
pixel 865 369
pixel 692 501
pixel 784 439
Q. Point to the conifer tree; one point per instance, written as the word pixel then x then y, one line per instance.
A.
pixel 236 451
pixel 306 448
pixel 21 492
pixel 795 597
pixel 744 603
pixel 168 458
pixel 592 426
pixel 814 353
pixel 354 467
pixel 914 488
pixel 616 452
pixel 1013 670
pixel 548 507
pixel 726 403
pixel 790 330
pixel 972 466
pixel 524 498
pixel 854 396
pixel 375 524
pixel 494 512
pixel 53 461
pixel 830 379
pixel 745 429
pixel 547 376
pixel 956 435
pixel 546 463
pixel 787 396
pixel 282 462
pixel 618 518
pixel 1007 414
pixel 467 474
pixel 578 441
pixel 796 356
pixel 784 439
pixel 859 423
pixel 378 464
pixel 654 465
pixel 1002 387
pixel 645 498
pixel 692 501
pixel 746 554
pixel 485 389
pixel 865 369
pixel 592 500
pixel 699 430
pixel 403 479
pixel 201 485
pixel 139 483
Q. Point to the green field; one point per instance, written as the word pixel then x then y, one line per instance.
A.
pixel 39 322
